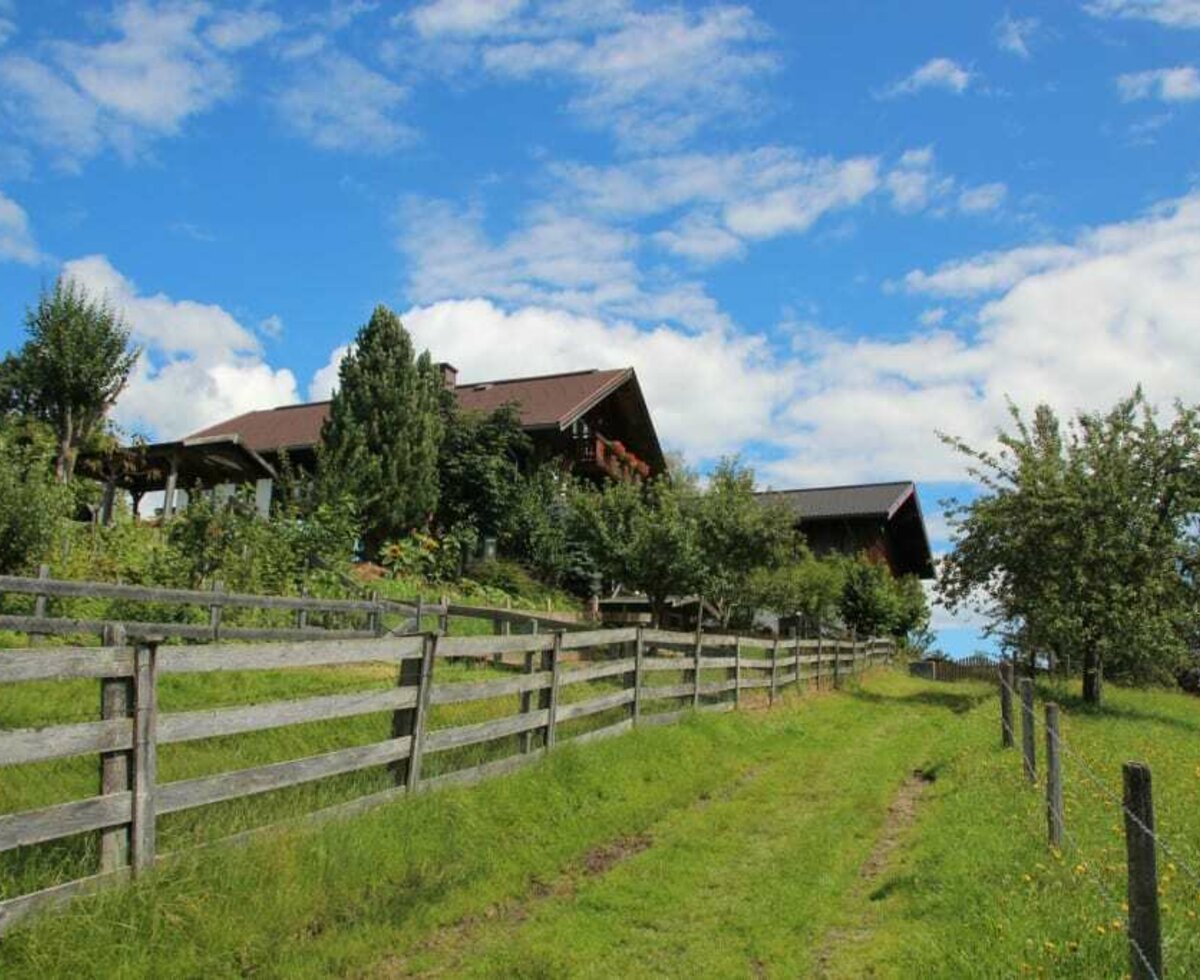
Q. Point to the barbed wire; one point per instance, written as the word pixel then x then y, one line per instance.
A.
pixel 1098 781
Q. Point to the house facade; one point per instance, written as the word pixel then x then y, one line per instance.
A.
pixel 595 421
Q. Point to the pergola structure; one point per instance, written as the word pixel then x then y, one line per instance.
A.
pixel 206 461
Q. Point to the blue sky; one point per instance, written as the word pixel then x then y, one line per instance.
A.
pixel 820 231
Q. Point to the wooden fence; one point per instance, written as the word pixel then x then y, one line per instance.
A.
pixel 127 736
pixel 369 613
pixel 972 668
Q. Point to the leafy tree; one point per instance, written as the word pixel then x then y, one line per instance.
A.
pixel 33 505
pixel 1083 542
pixel 911 607
pixel 380 441
pixel 643 536
pixel 869 603
pixel 479 469
pixel 738 534
pixel 73 367
pixel 806 585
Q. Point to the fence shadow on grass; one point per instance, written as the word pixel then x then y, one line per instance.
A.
pixel 958 702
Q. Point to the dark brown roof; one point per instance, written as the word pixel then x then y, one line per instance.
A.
pixel 547 401
pixel 860 500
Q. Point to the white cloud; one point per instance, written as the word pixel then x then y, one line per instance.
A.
pixel 827 186
pixel 1013 34
pixel 653 78
pixel 234 30
pixel 1180 84
pixel 984 197
pixel 1076 325
pixel 553 258
pixel 199 365
pixel 989 272
pixel 337 103
pixel 700 238
pixel 913 180
pixel 1168 13
pixel 679 370
pixel 16 238
pixel 942 73
pixel 165 63
pixel 462 17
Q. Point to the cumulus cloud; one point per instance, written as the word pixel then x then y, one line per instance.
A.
pixel 553 258
pixel 1180 84
pixel 937 73
pixel 679 370
pixel 984 197
pixel 233 30
pixel 1168 13
pixel 462 17
pixel 1076 324
pixel 337 103
pixel 198 366
pixel 16 237
pixel 163 64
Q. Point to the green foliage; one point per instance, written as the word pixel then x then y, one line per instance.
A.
pixel 738 535
pixel 479 469
pixel 380 442
pixel 436 559
pixel 806 585
pixel 1083 543
pixel 869 603
pixel 33 506
pixel 643 536
pixel 538 530
pixel 74 365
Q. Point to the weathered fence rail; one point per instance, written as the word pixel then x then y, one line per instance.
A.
pixel 623 667
pixel 369 613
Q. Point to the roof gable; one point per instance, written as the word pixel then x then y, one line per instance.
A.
pixel 858 500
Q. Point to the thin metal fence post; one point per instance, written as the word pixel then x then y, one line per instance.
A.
pixel 1027 734
pixel 1145 933
pixel 1054 786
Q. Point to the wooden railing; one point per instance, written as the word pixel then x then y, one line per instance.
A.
pixel 369 613
pixel 557 673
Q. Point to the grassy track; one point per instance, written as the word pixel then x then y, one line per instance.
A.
pixel 733 845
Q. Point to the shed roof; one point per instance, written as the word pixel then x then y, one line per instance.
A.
pixel 853 500
pixel 546 401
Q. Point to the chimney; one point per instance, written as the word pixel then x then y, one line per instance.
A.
pixel 449 374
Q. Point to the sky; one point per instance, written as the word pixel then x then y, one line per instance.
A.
pixel 821 231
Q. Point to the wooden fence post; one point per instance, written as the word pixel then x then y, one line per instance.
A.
pixel 797 666
pixel 853 653
pixel 115 699
pixel 1006 706
pixel 302 614
pixel 145 754
pixel 1054 786
pixel 506 627
pixel 696 657
pixel 525 739
pixel 39 602
pixel 375 616
pixel 837 664
pixel 550 695
pixel 420 614
pixel 774 672
pixel 444 617
pixel 1027 734
pixel 1145 934
pixel 214 613
pixel 737 673
pixel 420 713
pixel 819 645
pixel 404 720
pixel 639 649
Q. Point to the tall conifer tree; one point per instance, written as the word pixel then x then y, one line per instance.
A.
pixel 380 441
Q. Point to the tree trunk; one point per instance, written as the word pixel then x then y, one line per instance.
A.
pixel 1093 677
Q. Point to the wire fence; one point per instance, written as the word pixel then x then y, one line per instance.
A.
pixel 1143 840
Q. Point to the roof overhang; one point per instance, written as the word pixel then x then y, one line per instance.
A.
pixel 205 460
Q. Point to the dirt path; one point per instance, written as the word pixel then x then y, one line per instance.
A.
pixel 902 811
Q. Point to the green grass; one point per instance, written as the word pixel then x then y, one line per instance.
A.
pixel 728 845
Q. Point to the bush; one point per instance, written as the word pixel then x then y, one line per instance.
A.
pixel 33 507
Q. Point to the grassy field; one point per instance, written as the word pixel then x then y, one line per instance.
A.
pixel 784 843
